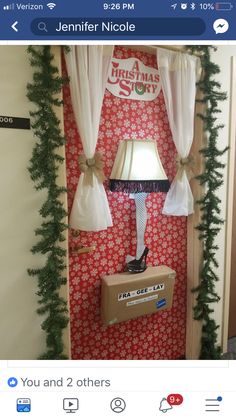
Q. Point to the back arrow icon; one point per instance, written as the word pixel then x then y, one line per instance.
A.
pixel 14 26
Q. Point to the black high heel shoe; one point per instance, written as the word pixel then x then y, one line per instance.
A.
pixel 138 265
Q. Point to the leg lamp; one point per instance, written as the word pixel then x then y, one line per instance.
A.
pixel 138 170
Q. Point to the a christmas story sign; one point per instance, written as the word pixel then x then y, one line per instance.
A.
pixel 131 79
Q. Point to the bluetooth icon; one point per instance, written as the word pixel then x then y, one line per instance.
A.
pixel 193 6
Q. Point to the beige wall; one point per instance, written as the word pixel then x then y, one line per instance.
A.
pixel 223 58
pixel 232 299
pixel 20 333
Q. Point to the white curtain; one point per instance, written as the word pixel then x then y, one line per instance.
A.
pixel 179 73
pixel 87 67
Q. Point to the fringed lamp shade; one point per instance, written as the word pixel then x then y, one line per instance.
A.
pixel 138 168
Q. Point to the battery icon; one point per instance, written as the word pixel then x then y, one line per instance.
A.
pixel 223 6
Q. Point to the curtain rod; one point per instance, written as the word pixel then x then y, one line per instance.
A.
pixel 176 48
pixel 147 48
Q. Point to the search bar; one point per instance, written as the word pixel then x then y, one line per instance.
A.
pixel 104 28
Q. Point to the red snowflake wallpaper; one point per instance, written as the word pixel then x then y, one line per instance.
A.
pixel 156 336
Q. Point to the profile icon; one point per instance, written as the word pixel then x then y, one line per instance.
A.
pixel 118 405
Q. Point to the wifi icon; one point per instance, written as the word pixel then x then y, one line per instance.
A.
pixel 51 5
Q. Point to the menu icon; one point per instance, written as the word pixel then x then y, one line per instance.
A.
pixel 213 405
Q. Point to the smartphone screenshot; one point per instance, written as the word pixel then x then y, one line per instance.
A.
pixel 117 226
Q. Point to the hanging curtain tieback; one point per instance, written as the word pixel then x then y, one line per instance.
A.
pixel 185 164
pixel 90 167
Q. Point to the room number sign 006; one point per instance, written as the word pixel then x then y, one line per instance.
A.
pixel 14 122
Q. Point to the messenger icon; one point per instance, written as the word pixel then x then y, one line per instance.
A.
pixel 220 26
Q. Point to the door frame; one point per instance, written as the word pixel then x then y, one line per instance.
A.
pixel 229 208
pixel 194 245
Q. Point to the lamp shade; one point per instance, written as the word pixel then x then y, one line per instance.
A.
pixel 138 168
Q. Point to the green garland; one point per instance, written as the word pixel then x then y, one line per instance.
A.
pixel 43 169
pixel 210 225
